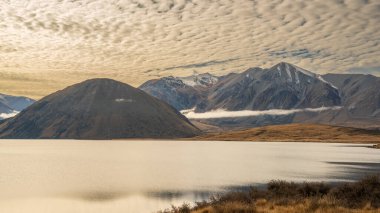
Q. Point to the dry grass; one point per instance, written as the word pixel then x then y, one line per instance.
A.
pixel 304 206
pixel 286 197
pixel 298 133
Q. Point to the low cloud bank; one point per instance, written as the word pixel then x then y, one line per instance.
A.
pixel 221 113
pixel 8 115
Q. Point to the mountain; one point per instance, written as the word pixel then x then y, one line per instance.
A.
pixel 344 99
pixel 98 109
pixel 181 92
pixel 10 105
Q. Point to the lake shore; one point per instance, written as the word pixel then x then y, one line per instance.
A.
pixel 282 196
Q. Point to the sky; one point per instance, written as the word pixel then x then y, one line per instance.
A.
pixel 48 45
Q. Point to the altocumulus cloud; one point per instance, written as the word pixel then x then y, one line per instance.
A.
pixel 63 40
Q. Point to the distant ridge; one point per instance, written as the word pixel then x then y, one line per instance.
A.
pixel 98 109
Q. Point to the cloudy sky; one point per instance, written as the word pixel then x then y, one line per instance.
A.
pixel 47 45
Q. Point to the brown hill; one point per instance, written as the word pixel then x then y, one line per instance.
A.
pixel 297 133
pixel 98 109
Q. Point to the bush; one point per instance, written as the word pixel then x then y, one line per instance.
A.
pixel 359 194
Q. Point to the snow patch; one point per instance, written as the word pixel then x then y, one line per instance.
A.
pixel 324 81
pixel 204 80
pixel 222 113
pixel 287 68
pixel 188 82
pixel 122 100
pixel 297 78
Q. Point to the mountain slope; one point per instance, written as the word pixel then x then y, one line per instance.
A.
pixel 174 92
pixel 360 93
pixel 98 109
pixel 5 108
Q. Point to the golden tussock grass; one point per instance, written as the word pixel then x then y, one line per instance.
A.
pixel 297 133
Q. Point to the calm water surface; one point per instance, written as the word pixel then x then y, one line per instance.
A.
pixel 146 176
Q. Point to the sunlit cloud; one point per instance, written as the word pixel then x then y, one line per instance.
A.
pixel 66 41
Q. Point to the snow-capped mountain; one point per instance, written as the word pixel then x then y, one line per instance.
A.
pixel 181 92
pixel 11 105
pixel 283 86
pixel 355 99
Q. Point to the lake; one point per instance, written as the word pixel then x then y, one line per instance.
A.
pixel 147 176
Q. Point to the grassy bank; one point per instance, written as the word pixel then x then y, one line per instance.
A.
pixel 297 133
pixel 283 197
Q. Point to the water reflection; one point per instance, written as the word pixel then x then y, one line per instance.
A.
pixel 144 176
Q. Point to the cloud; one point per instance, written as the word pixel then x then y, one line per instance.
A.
pixel 365 70
pixel 8 115
pixel 122 39
pixel 300 53
pixel 249 113
pixel 204 64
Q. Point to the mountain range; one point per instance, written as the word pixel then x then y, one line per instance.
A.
pixel 338 99
pixel 161 108
pixel 98 109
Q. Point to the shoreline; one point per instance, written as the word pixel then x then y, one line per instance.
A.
pixel 284 196
pixel 373 144
pixel 316 133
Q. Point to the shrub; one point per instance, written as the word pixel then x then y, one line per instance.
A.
pixel 359 194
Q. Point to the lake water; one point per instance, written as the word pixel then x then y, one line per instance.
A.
pixel 147 176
